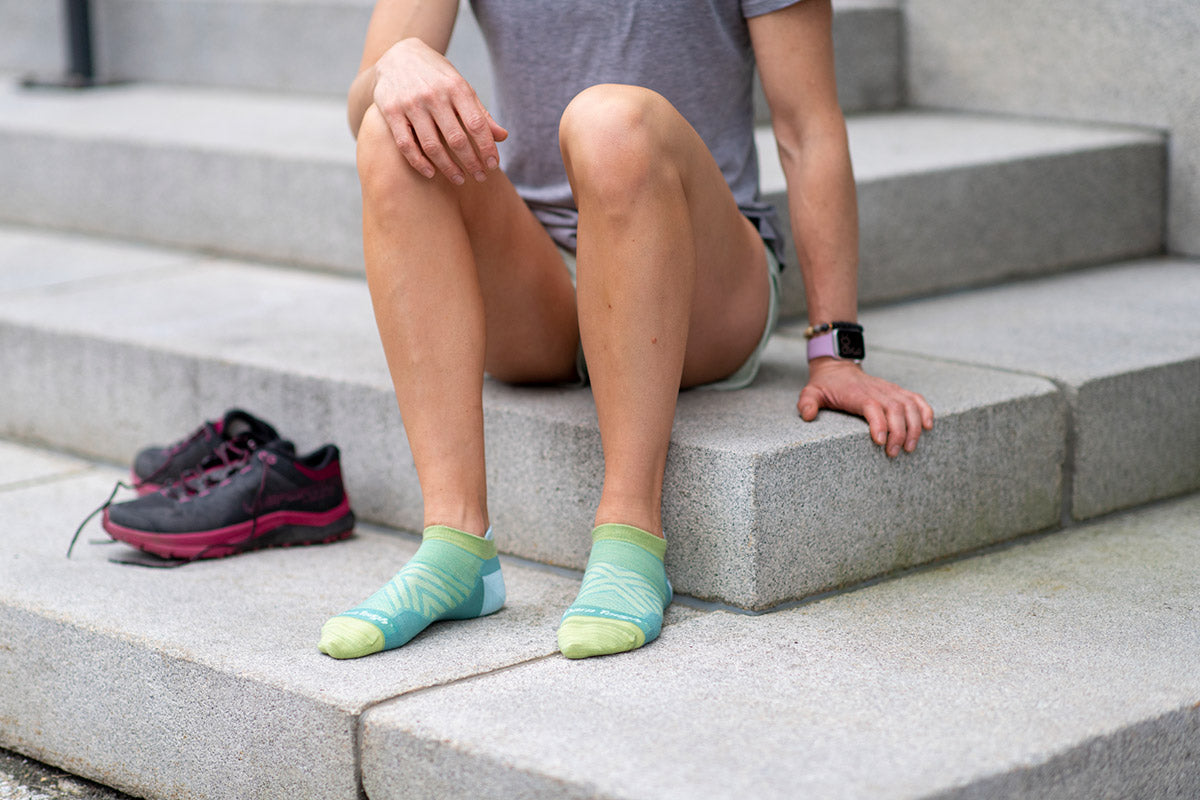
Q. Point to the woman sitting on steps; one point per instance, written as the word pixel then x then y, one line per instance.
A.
pixel 623 245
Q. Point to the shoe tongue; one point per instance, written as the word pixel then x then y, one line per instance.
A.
pixel 235 427
pixel 242 423
pixel 281 446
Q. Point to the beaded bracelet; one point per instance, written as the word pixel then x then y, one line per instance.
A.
pixel 817 330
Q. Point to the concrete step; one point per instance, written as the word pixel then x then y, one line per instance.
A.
pixel 1122 344
pixel 1063 666
pixel 116 347
pixel 206 681
pixel 946 200
pixel 314 46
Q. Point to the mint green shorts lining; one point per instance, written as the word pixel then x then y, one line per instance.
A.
pixel 744 375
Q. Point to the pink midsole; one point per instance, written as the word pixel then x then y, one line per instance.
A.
pixel 191 543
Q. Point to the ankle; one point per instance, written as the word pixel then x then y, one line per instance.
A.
pixel 651 524
pixel 637 510
pixel 474 523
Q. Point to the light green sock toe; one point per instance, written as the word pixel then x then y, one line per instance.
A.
pixel 584 637
pixel 346 637
pixel 624 593
pixel 453 575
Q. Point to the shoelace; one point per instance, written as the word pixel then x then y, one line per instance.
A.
pixel 228 459
pixel 204 431
pixel 103 506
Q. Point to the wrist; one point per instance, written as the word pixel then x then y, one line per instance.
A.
pixel 841 341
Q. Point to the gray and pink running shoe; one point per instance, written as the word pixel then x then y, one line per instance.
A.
pixel 267 497
pixel 155 467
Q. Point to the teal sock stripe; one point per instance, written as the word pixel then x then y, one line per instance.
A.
pixel 624 581
pixel 441 581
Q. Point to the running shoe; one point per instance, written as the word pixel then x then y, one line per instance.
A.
pixel 268 498
pixel 155 467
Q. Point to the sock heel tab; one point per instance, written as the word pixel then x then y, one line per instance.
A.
pixel 483 548
pixel 613 532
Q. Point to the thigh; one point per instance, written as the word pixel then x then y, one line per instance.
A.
pixel 529 302
pixel 531 320
pixel 732 290
pixel 731 298
pixel 617 140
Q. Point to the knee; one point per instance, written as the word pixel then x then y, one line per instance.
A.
pixel 382 170
pixel 615 138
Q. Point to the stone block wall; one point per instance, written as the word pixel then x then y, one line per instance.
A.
pixel 1100 60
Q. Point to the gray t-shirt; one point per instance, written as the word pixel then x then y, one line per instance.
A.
pixel 696 53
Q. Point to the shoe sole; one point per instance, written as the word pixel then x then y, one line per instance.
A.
pixel 279 529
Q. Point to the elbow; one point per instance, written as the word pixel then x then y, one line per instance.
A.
pixel 800 134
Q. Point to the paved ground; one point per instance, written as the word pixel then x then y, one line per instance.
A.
pixel 24 779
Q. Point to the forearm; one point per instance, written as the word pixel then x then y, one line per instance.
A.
pixel 823 210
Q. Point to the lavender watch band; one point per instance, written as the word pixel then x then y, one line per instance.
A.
pixel 821 345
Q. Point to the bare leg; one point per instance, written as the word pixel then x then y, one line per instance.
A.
pixel 461 278
pixel 672 287
pixel 672 290
pixel 436 256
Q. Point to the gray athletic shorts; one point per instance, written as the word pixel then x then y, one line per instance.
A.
pixel 743 375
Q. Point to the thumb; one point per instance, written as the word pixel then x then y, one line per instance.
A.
pixel 809 403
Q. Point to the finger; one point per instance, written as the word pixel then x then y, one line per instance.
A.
pixel 926 413
pixel 809 403
pixel 896 429
pixel 478 125
pixel 876 421
pixel 406 143
pixel 429 139
pixel 499 132
pixel 459 143
pixel 912 419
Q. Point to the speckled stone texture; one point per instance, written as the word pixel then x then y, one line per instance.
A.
pixel 315 46
pixel 760 507
pixel 948 201
pixel 1068 59
pixel 1123 342
pixel 1063 667
pixel 205 681
pixel 117 161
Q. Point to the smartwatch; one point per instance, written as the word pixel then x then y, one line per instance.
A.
pixel 840 340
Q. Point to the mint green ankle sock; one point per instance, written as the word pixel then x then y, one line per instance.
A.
pixel 624 593
pixel 453 575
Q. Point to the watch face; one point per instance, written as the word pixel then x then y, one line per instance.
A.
pixel 849 344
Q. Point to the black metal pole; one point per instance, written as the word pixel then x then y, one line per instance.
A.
pixel 79 39
pixel 81 68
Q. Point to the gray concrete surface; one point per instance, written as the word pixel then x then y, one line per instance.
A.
pixel 947 201
pixel 953 201
pixel 1111 60
pixel 186 167
pixel 1063 667
pixel 205 681
pixel 314 47
pixel 24 779
pixel 761 507
pixel 1123 342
